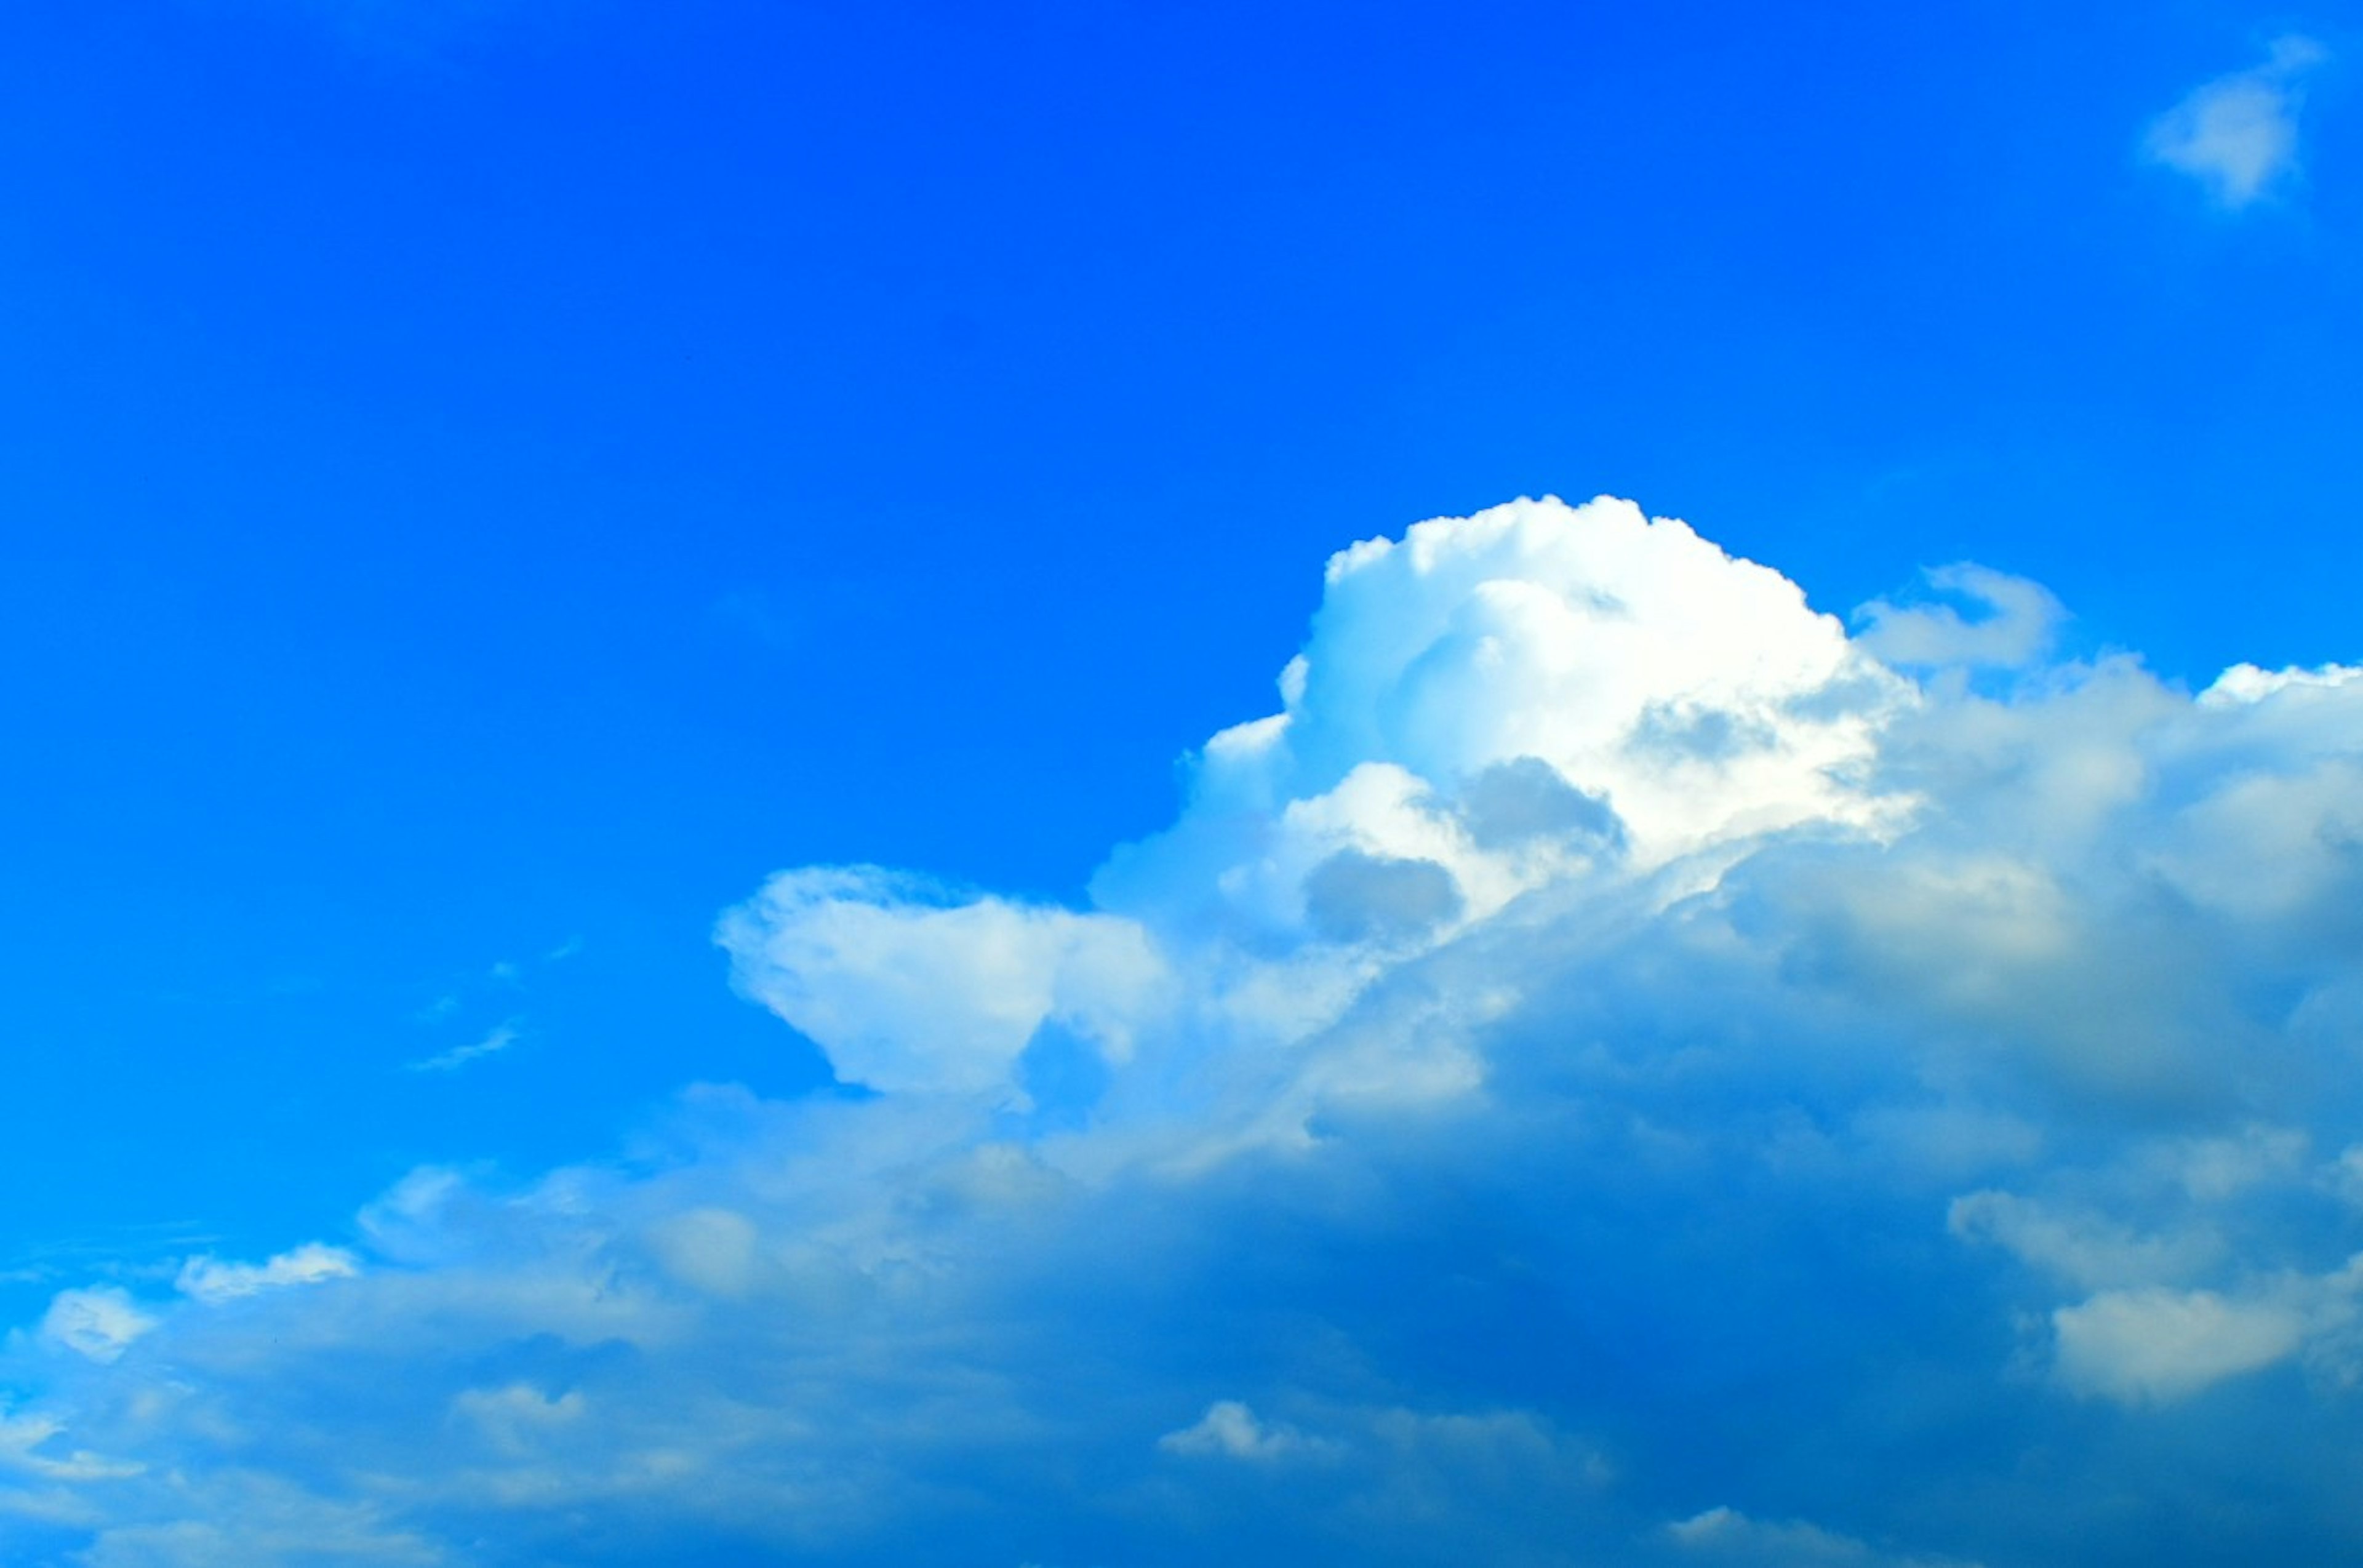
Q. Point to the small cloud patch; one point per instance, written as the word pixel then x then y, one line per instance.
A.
pixel 2237 136
pixel 1229 1430
pixel 98 1324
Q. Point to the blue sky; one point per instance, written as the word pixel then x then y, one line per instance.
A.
pixel 495 491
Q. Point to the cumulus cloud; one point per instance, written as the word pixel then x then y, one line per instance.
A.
pixel 1611 1049
pixel 2237 135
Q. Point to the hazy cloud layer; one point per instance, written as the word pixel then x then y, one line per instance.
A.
pixel 1612 1069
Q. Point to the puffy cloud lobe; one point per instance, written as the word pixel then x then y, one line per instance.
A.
pixel 1687 696
pixel 908 990
pixel 2011 623
pixel 2156 1343
pixel 1607 1016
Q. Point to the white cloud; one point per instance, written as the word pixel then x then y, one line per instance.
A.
pixel 492 1044
pixel 2082 1248
pixel 1690 696
pixel 2238 135
pixel 2014 623
pixel 1229 1430
pixel 910 990
pixel 2159 1344
pixel 2248 683
pixel 1606 1016
pixel 211 1280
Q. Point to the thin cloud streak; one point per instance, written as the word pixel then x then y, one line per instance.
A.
pixel 493 1044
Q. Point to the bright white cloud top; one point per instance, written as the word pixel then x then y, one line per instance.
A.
pixel 1613 1070
pixel 2237 135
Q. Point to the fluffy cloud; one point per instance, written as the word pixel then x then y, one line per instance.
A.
pixel 1611 1069
pixel 2011 623
pixel 909 988
pixel 2155 1343
pixel 99 1323
pixel 2237 135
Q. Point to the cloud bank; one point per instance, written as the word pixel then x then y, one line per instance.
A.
pixel 1612 1069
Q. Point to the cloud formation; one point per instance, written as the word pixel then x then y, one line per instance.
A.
pixel 2237 135
pixel 2011 622
pixel 1612 1069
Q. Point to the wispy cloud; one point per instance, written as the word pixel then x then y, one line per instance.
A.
pixel 493 1043
pixel 209 1279
pixel 1231 1430
pixel 2238 135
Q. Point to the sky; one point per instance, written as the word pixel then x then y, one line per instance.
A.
pixel 863 784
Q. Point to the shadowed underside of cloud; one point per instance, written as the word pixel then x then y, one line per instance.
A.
pixel 1611 1070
